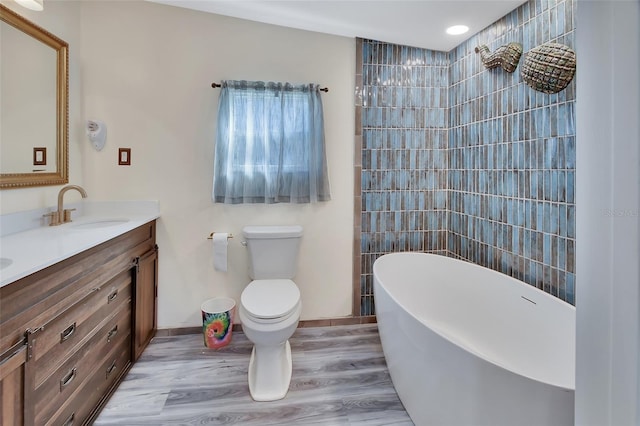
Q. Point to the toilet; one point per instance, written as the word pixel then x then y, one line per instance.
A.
pixel 270 307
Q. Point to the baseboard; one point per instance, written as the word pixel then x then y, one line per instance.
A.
pixel 330 322
pixel 326 322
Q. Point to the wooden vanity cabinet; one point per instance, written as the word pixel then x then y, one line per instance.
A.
pixel 69 333
pixel 12 366
pixel 146 290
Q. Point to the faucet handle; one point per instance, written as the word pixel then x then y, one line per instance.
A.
pixel 67 215
pixel 53 218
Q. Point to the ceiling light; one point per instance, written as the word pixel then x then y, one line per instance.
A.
pixel 31 4
pixel 457 29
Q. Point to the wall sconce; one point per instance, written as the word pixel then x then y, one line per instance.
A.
pixel 31 4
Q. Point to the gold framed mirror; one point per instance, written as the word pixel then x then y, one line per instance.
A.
pixel 34 104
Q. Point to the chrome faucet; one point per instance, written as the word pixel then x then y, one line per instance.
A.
pixel 64 215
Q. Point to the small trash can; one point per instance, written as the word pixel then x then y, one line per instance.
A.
pixel 217 321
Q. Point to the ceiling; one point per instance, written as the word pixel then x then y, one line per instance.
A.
pixel 419 23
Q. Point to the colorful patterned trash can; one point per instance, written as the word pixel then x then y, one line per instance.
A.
pixel 217 321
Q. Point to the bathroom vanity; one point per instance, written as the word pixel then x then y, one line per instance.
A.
pixel 69 331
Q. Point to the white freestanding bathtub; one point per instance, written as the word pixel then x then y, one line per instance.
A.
pixel 468 346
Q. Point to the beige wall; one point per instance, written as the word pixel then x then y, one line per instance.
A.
pixel 146 72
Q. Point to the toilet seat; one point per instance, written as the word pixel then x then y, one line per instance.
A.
pixel 268 301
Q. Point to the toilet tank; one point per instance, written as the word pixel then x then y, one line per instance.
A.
pixel 273 251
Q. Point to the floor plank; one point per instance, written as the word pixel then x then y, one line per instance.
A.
pixel 339 378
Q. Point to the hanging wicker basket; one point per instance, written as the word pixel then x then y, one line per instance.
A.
pixel 549 68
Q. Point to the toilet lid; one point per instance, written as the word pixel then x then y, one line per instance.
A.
pixel 270 298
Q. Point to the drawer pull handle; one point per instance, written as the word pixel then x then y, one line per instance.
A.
pixel 112 333
pixel 112 296
pixel 70 420
pixel 67 332
pixel 66 380
pixel 111 368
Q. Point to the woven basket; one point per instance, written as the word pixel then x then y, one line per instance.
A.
pixel 549 68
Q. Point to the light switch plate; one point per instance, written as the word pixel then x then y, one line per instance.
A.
pixel 39 156
pixel 124 156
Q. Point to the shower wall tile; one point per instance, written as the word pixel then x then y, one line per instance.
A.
pixel 512 157
pixel 460 160
pixel 404 156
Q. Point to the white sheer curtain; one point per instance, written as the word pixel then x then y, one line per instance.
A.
pixel 270 144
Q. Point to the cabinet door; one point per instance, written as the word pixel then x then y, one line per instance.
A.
pixel 145 305
pixel 12 377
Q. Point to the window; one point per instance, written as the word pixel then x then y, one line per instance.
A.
pixel 270 144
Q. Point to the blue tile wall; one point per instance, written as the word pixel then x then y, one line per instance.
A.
pixel 405 139
pixel 512 157
pixel 470 162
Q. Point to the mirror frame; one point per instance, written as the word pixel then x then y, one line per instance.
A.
pixel 61 175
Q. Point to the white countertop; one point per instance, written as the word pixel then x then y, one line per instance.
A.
pixel 32 250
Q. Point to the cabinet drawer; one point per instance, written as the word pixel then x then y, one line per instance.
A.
pixel 66 333
pixel 77 409
pixel 80 366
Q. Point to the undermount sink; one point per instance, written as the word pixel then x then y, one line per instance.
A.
pixel 98 223
pixel 4 262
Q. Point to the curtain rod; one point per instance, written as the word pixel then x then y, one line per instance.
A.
pixel 322 89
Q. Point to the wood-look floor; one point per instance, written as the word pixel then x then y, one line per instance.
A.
pixel 339 378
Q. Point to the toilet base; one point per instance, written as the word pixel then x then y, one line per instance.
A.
pixel 270 372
